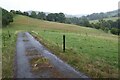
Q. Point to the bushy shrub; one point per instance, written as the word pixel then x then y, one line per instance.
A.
pixel 115 31
pixel 7 17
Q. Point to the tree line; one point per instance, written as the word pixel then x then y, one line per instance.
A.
pixel 56 17
pixel 102 15
pixel 83 21
pixel 106 26
pixel 109 25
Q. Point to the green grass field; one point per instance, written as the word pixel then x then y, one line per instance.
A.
pixel 106 19
pixel 8 53
pixel 90 51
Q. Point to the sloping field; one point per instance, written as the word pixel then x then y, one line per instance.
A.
pixel 91 51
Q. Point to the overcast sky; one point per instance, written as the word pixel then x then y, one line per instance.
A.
pixel 66 6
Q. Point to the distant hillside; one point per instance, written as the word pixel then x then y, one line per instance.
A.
pixel 66 15
pixel 97 16
pixel 112 13
pixel 94 16
pixel 77 15
pixel 106 19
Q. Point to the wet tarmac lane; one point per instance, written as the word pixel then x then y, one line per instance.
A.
pixel 29 56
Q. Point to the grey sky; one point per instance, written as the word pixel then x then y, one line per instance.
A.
pixel 65 6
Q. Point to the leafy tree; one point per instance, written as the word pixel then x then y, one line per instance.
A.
pixel 41 15
pixel 115 31
pixel 67 20
pixel 85 22
pixel 104 23
pixel 73 20
pixel 106 30
pixel 51 17
pixel 57 17
pixel 97 26
pixel 26 13
pixel 19 12
pixel 13 11
pixel 61 17
pixel 33 14
pixel 7 17
pixel 118 24
pixel 111 23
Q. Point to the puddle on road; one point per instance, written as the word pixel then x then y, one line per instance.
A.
pixel 31 52
pixel 40 65
pixel 39 62
pixel 25 37
pixel 25 40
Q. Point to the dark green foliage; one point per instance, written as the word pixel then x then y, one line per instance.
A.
pixel 73 20
pixel 61 17
pixel 106 30
pixel 96 26
pixel 118 23
pixel 115 31
pixel 96 16
pixel 57 17
pixel 7 17
pixel 19 12
pixel 113 26
pixel 83 21
pixel 25 13
pixel 13 11
pixel 33 14
pixel 41 15
pixel 51 17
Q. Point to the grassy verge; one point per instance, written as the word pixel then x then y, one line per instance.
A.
pixel 95 56
pixel 8 53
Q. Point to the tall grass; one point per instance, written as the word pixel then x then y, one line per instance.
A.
pixel 8 53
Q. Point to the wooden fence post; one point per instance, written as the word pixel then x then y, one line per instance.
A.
pixel 63 43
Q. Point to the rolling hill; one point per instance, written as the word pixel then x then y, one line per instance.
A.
pixel 96 16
